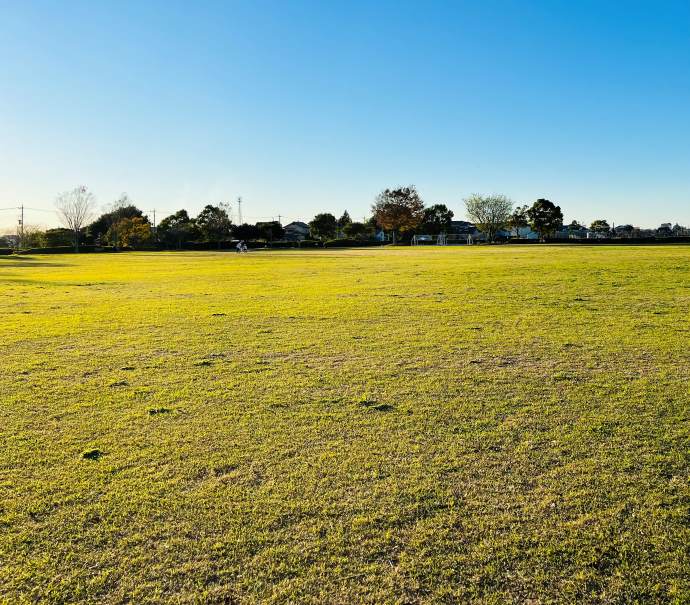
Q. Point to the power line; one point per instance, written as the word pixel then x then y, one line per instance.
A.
pixel 28 208
pixel 154 218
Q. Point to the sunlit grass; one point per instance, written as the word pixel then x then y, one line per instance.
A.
pixel 489 424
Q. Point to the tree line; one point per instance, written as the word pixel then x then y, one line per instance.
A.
pixel 399 212
pixel 402 211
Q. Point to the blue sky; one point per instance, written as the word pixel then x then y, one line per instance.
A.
pixel 302 107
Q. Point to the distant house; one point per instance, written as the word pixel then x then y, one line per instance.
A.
pixel 296 231
pixel 568 232
pixel 665 230
pixel 9 241
pixel 624 230
pixel 522 233
pixel 526 233
pixel 461 230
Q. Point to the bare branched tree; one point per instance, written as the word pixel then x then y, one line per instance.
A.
pixel 75 208
pixel 490 213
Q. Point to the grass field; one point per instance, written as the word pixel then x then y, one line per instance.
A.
pixel 488 424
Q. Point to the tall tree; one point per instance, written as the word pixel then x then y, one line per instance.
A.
pixel 74 209
pixel 33 236
pixel 398 210
pixel 177 228
pixel 600 226
pixel 343 222
pixel 490 213
pixel 246 231
pixel 214 223
pixel 344 219
pixel 545 217
pixel 436 219
pixel 359 230
pixel 132 232
pixel 121 208
pixel 323 226
pixel 518 219
pixel 270 230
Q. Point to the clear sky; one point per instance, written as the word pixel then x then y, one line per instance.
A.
pixel 302 107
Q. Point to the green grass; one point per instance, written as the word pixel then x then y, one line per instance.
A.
pixel 487 424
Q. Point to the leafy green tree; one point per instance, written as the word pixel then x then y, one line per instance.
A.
pixel 323 226
pixel 121 208
pixel 177 228
pixel 545 217
pixel 270 230
pixel 490 213
pixel 359 230
pixel 398 210
pixel 58 237
pixel 214 223
pixel 34 237
pixel 518 220
pixel 132 232
pixel 343 221
pixel 246 232
pixel 600 226
pixel 436 219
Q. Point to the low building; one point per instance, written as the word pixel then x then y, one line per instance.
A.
pixel 523 233
pixel 9 241
pixel 568 232
pixel 624 231
pixel 296 231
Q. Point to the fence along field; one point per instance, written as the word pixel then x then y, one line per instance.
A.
pixel 495 424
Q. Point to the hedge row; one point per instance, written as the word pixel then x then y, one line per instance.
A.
pixel 608 240
pixel 333 243
pixel 307 243
pixel 66 249
pixel 224 245
pixel 351 243
pixel 310 243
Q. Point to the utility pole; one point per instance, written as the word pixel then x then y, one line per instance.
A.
pixel 279 221
pixel 239 211
pixel 154 218
pixel 21 227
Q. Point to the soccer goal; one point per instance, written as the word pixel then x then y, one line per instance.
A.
pixel 442 239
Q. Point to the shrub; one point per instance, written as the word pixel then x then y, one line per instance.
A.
pixel 280 244
pixel 310 243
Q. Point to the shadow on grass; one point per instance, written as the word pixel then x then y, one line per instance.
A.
pixel 27 261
